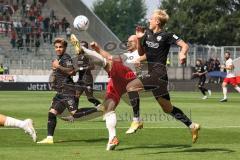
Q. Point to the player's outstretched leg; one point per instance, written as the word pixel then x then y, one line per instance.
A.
pixel 26 125
pixel 194 127
pixel 75 42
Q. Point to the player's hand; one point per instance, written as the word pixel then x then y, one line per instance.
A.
pixel 137 63
pixel 140 31
pixel 95 46
pixel 182 58
pixel 55 64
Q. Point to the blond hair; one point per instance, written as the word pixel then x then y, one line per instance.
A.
pixel 162 16
pixel 60 40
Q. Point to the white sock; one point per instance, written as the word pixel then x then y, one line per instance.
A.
pixel 97 58
pixel 224 92
pixel 192 125
pixel 111 121
pixel 237 88
pixel 12 122
pixel 136 119
pixel 49 137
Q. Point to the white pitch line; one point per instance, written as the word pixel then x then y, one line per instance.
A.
pixel 207 127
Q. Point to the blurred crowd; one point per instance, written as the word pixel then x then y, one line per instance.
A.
pixel 32 28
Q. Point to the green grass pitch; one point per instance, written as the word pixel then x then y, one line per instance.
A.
pixel 162 137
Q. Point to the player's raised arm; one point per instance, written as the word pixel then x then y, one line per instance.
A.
pixel 183 51
pixel 140 35
pixel 97 48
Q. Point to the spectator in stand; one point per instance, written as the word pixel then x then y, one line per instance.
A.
pixel 20 43
pixel 68 33
pixel 1 69
pixel 6 69
pixel 27 42
pixel 13 39
pixel 63 22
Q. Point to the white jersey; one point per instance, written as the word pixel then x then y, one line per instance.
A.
pixel 129 58
pixel 230 73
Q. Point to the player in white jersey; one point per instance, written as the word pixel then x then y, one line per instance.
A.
pixel 230 77
pixel 26 125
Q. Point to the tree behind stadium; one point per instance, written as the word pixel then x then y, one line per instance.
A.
pixel 213 22
pixel 121 16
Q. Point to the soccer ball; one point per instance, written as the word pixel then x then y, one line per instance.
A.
pixel 81 23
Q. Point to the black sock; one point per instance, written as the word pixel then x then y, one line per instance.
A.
pixel 52 122
pixel 134 100
pixel 84 111
pixel 179 115
pixel 94 101
pixel 76 101
pixel 203 90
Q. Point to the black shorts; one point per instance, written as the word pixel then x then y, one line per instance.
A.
pixel 61 102
pixel 157 82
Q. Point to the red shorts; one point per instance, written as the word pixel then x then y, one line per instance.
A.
pixel 120 76
pixel 238 79
pixel 231 80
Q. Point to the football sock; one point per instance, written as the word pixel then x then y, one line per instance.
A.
pixel 136 119
pixel 52 122
pixel 12 122
pixel 203 90
pixel 111 121
pixel 237 88
pixel 97 58
pixel 94 101
pixel 134 100
pixel 84 112
pixel 224 92
pixel 179 115
pixel 76 101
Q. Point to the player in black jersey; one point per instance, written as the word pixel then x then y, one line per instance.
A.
pixel 155 42
pixel 65 96
pixel 200 72
pixel 83 66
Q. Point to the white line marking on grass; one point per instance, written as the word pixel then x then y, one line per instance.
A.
pixel 207 127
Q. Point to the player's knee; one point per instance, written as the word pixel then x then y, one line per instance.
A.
pixel 53 111
pixel 224 84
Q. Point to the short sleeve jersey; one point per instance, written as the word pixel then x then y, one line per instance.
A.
pixel 61 77
pixel 230 73
pixel 201 69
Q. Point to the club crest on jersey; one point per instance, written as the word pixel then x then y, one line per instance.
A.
pixel 159 38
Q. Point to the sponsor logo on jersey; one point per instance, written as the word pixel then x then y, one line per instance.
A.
pixel 152 44
pixel 69 63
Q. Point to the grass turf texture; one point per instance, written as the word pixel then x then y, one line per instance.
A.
pixel 162 137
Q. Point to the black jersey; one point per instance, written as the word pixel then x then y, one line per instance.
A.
pixel 201 69
pixel 60 77
pixel 157 46
pixel 83 65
